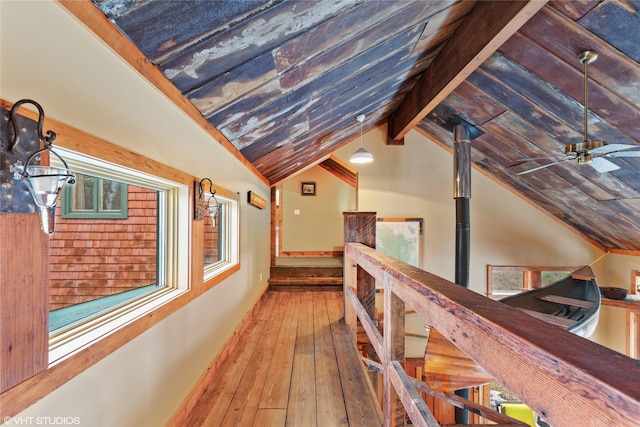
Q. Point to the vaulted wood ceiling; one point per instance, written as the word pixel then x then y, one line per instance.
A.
pixel 281 82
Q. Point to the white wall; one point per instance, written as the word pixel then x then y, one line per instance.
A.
pixel 319 225
pixel 611 330
pixel 416 180
pixel 48 56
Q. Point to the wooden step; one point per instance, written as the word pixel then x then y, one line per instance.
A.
pixel 336 281
pixel 293 278
pixel 306 271
pixel 304 288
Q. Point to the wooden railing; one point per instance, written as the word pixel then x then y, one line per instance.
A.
pixel 566 379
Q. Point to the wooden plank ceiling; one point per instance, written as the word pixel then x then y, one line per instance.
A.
pixel 284 80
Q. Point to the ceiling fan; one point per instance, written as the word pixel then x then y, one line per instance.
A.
pixel 588 152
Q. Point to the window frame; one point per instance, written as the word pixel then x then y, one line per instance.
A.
pixel 67 210
pixel 228 225
pixel 633 320
pixel 531 277
pixel 172 249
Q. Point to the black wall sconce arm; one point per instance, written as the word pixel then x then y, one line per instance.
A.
pixel 211 205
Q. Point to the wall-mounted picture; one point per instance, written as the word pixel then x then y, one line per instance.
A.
pixel 308 189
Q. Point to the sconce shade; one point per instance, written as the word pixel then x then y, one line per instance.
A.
pixel 361 156
pixel 44 184
pixel 213 207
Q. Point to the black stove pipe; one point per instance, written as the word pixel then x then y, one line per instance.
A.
pixel 462 195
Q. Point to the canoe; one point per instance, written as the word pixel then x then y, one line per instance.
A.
pixel 572 303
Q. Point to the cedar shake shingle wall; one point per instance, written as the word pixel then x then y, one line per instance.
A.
pixel 211 254
pixel 93 258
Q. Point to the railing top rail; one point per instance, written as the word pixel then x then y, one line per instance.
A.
pixel 563 377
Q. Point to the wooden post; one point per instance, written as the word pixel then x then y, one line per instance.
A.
pixel 24 298
pixel 360 227
pixel 393 338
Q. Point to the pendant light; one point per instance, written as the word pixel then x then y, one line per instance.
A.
pixel 361 155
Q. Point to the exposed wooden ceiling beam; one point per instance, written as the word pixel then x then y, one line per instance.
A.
pixel 487 27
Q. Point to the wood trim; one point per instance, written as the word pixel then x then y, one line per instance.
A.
pixel 624 252
pixel 633 330
pixel 531 268
pixel 275 223
pixel 633 320
pixel 629 305
pixel 483 31
pixel 341 170
pixel 293 254
pixel 106 30
pixel 187 406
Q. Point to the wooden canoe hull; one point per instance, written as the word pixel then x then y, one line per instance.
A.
pixel 447 368
pixel 579 315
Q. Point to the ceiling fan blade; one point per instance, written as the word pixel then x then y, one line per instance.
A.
pixel 623 154
pixel 610 148
pixel 534 159
pixel 543 166
pixel 603 165
pixel 556 159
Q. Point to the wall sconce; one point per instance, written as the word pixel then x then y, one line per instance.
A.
pixel 211 206
pixel 44 182
pixel 361 155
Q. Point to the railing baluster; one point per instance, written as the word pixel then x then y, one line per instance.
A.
pixel 393 337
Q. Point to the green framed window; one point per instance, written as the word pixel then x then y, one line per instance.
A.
pixel 93 197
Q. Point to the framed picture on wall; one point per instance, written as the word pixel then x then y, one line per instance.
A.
pixel 401 238
pixel 308 189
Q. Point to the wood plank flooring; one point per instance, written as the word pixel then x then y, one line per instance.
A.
pixel 294 366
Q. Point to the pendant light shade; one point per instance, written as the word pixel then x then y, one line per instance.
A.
pixel 361 155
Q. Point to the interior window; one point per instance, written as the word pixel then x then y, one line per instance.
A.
pixel 221 249
pixel 503 280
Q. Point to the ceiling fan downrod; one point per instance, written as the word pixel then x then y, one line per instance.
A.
pixel 582 148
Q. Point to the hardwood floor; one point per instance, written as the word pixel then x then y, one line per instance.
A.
pixel 294 366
